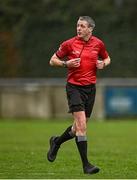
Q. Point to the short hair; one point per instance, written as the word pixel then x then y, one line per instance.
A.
pixel 89 20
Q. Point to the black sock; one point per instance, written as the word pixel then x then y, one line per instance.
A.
pixel 67 135
pixel 82 147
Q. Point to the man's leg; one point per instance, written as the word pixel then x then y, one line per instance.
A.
pixel 67 135
pixel 56 141
pixel 81 141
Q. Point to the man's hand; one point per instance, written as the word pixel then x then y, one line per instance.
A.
pixel 73 63
pixel 100 64
pixel 103 63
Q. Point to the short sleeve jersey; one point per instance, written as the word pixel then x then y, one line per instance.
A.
pixel 88 52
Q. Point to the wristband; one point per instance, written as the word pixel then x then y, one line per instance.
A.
pixel 64 63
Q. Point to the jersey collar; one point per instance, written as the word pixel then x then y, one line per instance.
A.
pixel 90 39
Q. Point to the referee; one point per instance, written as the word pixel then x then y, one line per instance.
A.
pixel 82 54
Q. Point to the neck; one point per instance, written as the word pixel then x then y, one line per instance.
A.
pixel 86 38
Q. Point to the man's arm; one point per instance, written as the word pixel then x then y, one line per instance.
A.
pixel 55 61
pixel 107 61
pixel 102 64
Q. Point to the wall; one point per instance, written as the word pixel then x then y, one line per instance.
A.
pixel 27 98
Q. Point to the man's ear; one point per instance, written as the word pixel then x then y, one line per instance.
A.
pixel 91 29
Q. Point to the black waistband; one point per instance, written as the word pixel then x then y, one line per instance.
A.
pixel 89 85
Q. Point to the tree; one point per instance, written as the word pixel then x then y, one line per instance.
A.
pixel 35 28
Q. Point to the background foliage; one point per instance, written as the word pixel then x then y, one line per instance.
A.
pixel 30 32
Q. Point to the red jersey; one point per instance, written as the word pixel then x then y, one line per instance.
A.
pixel 89 52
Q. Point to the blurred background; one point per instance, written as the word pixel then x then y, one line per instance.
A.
pixel 31 31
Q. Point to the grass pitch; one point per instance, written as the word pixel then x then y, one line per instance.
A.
pixel 112 145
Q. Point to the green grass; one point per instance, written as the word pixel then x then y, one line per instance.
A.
pixel 23 146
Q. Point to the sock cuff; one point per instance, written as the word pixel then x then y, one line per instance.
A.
pixel 81 138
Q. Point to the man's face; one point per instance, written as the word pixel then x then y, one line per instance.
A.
pixel 83 30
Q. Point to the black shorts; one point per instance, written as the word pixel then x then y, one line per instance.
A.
pixel 81 98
